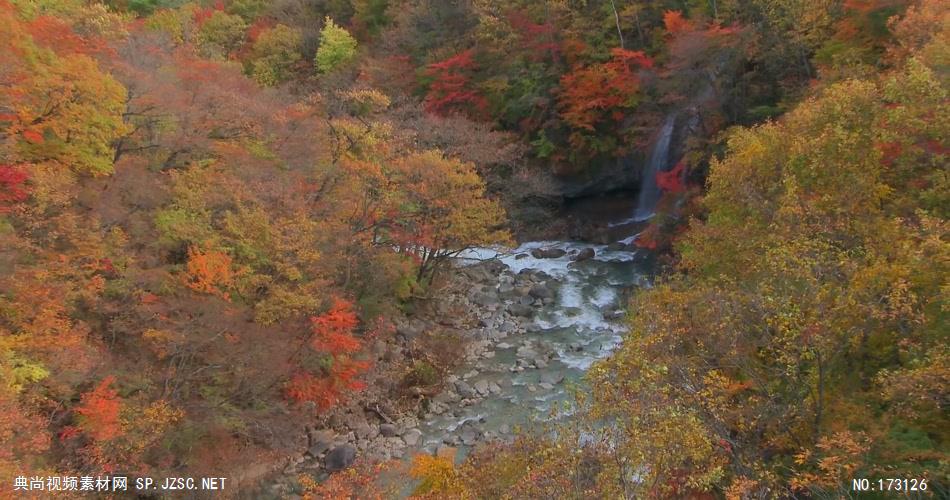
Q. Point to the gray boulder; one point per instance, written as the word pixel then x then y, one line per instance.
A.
pixel 412 436
pixel 541 292
pixel 484 299
pixel 464 389
pixel 469 437
pixel 585 254
pixel 523 310
pixel 319 448
pixel 614 314
pixel 547 253
pixel 340 458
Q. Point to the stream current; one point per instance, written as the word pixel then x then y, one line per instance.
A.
pixel 524 379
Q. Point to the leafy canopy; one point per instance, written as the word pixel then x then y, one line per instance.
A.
pixel 337 47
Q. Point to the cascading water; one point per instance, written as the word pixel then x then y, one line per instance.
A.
pixel 659 160
pixel 525 377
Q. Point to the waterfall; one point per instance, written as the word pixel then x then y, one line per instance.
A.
pixel 659 159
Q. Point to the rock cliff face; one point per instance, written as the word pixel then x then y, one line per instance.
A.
pixel 626 173
pixel 707 96
pixel 612 175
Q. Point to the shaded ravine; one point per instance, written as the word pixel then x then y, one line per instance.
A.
pixel 562 311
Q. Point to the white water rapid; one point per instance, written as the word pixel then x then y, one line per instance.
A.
pixel 524 373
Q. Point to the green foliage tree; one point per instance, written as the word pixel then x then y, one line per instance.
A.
pixel 337 47
pixel 275 53
pixel 221 34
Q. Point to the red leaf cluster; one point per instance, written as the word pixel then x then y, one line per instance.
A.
pixel 11 190
pixel 889 152
pixel 59 36
pixel 540 40
pixel 330 390
pixel 674 22
pixel 672 181
pixel 332 335
pixel 32 136
pixel 591 93
pixel 333 330
pixel 202 15
pixel 99 409
pixel 450 92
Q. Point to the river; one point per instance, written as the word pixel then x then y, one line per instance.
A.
pixel 524 375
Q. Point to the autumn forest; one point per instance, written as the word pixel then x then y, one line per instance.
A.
pixel 475 248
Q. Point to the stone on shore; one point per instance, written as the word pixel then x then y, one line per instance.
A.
pixel 340 458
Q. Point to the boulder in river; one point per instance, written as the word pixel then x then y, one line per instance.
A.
pixel 541 292
pixel 340 458
pixel 548 253
pixel 585 254
pixel 469 437
pixel 388 430
pixel 613 315
pixel 526 352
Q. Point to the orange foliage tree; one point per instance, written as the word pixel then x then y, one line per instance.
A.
pixel 99 411
pixel 595 99
pixel 333 330
pixel 332 340
pixel 209 271
pixel 441 210
pixel 674 22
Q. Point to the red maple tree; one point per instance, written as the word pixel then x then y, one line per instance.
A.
pixel 672 181
pixel 333 330
pixel 450 90
pixel 333 336
pixel 99 409
pixel 602 92
pixel 11 186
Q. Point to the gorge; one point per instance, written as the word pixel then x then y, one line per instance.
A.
pixel 475 249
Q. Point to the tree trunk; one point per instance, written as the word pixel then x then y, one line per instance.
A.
pixel 617 20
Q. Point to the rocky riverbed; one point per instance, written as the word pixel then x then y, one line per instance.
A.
pixel 531 320
pixel 546 312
